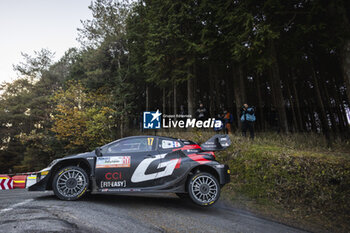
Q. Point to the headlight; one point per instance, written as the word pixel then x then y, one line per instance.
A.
pixel 220 166
pixel 41 175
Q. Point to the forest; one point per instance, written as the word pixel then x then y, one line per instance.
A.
pixel 290 59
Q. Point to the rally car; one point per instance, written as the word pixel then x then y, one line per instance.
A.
pixel 141 164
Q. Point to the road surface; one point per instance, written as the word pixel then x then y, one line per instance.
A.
pixel 23 211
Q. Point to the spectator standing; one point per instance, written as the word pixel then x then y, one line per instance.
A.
pixel 201 112
pixel 248 119
pixel 228 120
pixel 182 110
pixel 219 119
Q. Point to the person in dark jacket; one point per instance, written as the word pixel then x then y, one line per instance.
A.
pixel 248 119
pixel 201 113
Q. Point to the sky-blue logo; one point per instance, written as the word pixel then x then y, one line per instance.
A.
pixel 151 120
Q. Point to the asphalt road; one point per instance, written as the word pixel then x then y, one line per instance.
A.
pixel 23 211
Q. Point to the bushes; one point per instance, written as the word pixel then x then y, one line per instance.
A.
pixel 294 181
pixel 310 184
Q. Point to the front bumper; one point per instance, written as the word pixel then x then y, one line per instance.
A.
pixel 42 181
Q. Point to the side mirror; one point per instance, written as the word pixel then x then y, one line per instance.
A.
pixel 98 152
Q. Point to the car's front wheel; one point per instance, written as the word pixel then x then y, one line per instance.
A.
pixel 70 183
pixel 204 189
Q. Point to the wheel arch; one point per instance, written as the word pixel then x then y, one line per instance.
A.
pixel 202 168
pixel 79 162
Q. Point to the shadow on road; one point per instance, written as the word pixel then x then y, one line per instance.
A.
pixel 138 200
pixel 167 205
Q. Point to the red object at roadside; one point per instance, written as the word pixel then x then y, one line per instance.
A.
pixel 4 176
pixel 19 181
pixel 5 182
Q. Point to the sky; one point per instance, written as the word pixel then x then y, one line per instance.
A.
pixel 30 25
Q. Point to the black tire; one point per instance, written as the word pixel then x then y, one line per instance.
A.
pixel 182 195
pixel 70 183
pixel 203 189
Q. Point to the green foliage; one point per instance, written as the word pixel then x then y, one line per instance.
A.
pixel 82 120
pixel 305 183
pixel 41 148
pixel 33 67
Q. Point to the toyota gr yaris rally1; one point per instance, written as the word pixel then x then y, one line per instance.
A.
pixel 141 164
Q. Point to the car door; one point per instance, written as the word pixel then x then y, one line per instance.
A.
pixel 173 159
pixel 116 166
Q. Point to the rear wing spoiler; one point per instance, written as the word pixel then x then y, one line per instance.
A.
pixel 216 143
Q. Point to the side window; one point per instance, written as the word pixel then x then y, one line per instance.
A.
pixel 132 145
pixel 166 143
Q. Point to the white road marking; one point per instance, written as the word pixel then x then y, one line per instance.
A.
pixel 16 205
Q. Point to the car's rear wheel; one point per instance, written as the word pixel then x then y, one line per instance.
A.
pixel 204 189
pixel 70 183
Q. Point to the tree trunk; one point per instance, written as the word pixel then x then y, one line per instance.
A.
pixel 218 106
pixel 297 103
pixel 342 115
pixel 169 103
pixel 190 94
pixel 211 94
pixel 195 94
pixel 164 101
pixel 147 98
pixel 295 121
pixel 345 120
pixel 260 113
pixel 323 115
pixel 313 120
pixel 242 85
pixel 346 67
pixel 329 108
pixel 277 89
pixel 174 100
pixel 123 121
pixel 239 91
pixel 229 100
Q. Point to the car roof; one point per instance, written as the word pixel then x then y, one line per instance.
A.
pixel 138 136
pixel 141 136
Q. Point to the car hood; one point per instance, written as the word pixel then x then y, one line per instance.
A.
pixel 81 155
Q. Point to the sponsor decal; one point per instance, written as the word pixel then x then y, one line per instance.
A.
pixel 151 120
pixel 193 151
pixel 113 162
pixel 113 184
pixel 167 144
pixel 140 172
pixel 82 192
pixel 120 190
pixel 188 147
pixel 60 172
pixel 113 176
